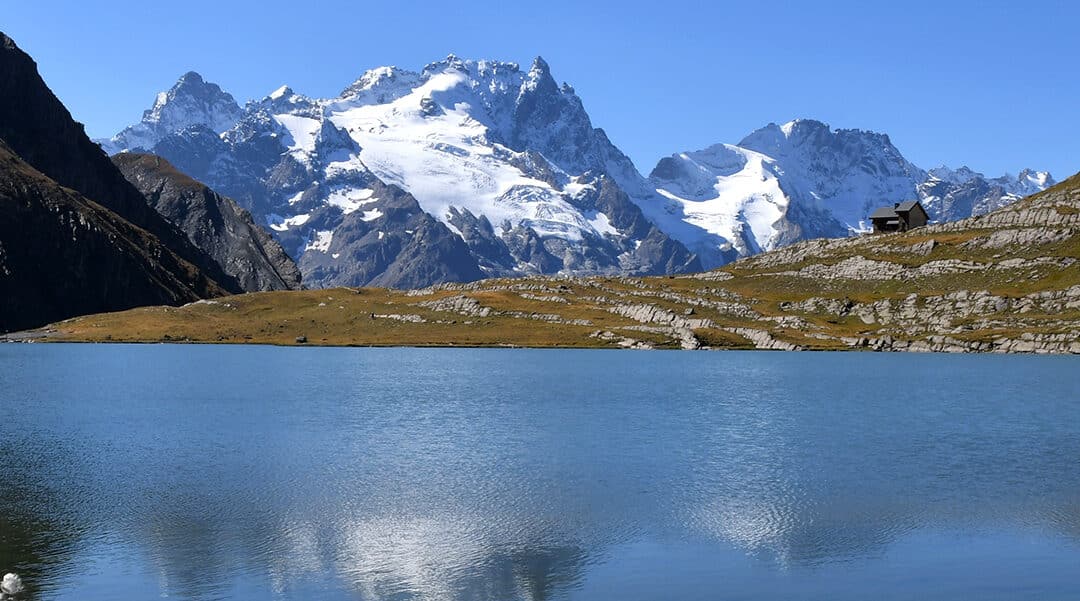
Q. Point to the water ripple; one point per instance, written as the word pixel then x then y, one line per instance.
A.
pixel 433 474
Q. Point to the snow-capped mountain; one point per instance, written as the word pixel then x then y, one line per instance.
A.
pixel 467 169
pixel 504 163
pixel 950 194
pixel 191 101
pixel 800 180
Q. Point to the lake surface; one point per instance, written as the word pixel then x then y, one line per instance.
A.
pixel 228 472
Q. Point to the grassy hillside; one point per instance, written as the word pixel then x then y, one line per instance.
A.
pixel 1007 281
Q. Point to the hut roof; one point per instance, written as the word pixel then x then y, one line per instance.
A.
pixel 906 206
pixel 884 213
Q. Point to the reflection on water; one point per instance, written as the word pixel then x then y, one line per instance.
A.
pixel 36 535
pixel 253 473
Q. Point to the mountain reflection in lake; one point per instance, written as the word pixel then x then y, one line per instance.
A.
pixel 250 473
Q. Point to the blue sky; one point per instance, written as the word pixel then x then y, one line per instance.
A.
pixel 988 84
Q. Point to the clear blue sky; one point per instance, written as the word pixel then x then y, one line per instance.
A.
pixel 989 84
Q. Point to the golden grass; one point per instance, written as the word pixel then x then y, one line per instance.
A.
pixel 344 316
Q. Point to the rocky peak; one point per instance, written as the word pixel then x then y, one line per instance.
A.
pixel 773 138
pixel 193 101
pixel 330 140
pixel 951 194
pixel 192 78
pixel 381 85
pixel 281 100
pixel 1034 181
pixel 282 92
pixel 370 78
pixel 451 62
pixel 542 108
pixel 778 140
pixel 804 128
pixel 539 79
pixel 954 176
pixel 1028 181
pixel 540 66
pixel 814 149
pixel 189 102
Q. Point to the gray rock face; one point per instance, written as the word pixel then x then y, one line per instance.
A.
pixel 460 304
pixel 393 244
pixel 213 223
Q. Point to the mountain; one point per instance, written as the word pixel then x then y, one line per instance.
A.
pixel 1005 281
pixel 62 254
pixel 191 101
pixel 804 180
pixel 40 130
pixel 950 194
pixel 213 223
pixel 75 236
pixel 500 165
pixel 509 162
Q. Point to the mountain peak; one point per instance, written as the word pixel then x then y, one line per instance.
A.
pixel 801 126
pixel 281 92
pixel 777 140
pixel 959 175
pixel 193 101
pixel 1028 172
pixel 190 101
pixel 1032 181
pixel 381 84
pixel 7 42
pixel 452 61
pixel 1027 181
pixel 539 77
pixel 540 65
pixel 193 84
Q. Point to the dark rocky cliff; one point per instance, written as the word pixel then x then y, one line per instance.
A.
pixel 214 223
pixel 62 255
pixel 39 129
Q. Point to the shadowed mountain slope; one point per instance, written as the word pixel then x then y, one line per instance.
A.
pixel 63 255
pixel 213 223
pixel 39 129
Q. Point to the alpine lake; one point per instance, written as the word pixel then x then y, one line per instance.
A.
pixel 246 472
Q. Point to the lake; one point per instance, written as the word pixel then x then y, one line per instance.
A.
pixel 241 472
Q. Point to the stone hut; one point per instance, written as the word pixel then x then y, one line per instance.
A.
pixel 900 217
